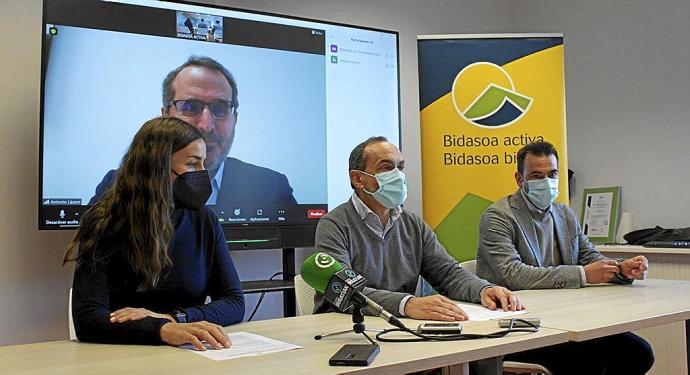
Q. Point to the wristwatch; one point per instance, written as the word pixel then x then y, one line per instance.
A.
pixel 179 315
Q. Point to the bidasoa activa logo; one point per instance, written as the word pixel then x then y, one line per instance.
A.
pixel 484 94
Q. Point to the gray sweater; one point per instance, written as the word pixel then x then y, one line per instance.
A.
pixel 393 265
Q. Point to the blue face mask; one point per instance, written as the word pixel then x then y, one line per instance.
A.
pixel 392 190
pixel 542 192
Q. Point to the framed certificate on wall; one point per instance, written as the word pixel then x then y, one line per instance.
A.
pixel 600 211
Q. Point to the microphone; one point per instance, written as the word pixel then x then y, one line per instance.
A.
pixel 341 286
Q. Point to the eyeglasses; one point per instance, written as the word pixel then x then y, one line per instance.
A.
pixel 193 108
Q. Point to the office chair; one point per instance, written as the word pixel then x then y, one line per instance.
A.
pixel 470 265
pixel 305 296
pixel 510 367
pixel 70 321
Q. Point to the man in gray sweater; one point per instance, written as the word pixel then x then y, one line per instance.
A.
pixel 391 247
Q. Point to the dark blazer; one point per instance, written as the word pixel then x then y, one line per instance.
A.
pixel 245 186
pixel 250 187
pixel 508 249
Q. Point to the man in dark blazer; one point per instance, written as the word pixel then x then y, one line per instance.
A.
pixel 204 93
pixel 529 242
pixel 252 188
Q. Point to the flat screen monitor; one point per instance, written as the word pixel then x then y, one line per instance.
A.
pixel 305 93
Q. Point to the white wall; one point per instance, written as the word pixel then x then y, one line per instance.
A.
pixel 33 284
pixel 628 121
pixel 628 99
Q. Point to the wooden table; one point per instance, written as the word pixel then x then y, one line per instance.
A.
pixel 65 357
pixel 566 314
pixel 605 309
pixel 664 263
pixel 671 340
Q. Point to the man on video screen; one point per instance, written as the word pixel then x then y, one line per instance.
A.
pixel 204 93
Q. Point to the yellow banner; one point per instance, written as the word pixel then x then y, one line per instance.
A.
pixel 478 109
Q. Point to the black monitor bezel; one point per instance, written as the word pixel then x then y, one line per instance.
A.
pixel 245 235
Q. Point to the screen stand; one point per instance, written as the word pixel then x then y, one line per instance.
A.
pixel 289 308
pixel 286 285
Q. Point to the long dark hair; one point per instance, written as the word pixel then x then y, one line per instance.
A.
pixel 134 215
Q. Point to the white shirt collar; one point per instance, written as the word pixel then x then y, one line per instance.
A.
pixel 215 184
pixel 363 210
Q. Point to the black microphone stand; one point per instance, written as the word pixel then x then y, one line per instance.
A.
pixel 357 325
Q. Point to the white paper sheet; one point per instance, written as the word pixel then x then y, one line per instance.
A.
pixel 245 344
pixel 479 312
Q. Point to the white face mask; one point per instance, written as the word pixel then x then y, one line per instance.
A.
pixel 542 192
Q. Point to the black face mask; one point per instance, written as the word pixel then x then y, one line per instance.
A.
pixel 191 190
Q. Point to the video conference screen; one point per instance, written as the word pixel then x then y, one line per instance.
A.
pixel 306 93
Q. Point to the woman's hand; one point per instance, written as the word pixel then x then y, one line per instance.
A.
pixel 177 334
pixel 130 313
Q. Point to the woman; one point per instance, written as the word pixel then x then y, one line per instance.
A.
pixel 149 251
